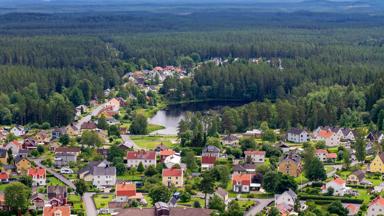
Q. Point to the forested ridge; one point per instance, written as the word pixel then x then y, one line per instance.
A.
pixel 70 59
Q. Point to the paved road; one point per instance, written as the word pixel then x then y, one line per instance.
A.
pixel 88 117
pixel 130 142
pixel 54 173
pixel 261 204
pixel 89 204
pixel 333 172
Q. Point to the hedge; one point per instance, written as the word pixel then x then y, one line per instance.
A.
pixel 330 198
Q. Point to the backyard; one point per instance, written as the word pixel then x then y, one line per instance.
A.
pixel 102 200
pixel 150 142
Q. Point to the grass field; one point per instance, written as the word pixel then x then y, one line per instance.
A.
pixel 154 127
pixel 102 200
pixel 301 179
pixel 77 202
pixel 129 177
pixel 3 186
pixel 54 181
pixel 150 142
pixel 193 199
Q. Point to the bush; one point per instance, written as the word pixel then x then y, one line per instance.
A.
pixel 316 198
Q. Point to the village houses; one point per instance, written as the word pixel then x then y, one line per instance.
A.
pixel 173 176
pixel 134 158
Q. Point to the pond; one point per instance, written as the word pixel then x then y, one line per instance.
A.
pixel 171 116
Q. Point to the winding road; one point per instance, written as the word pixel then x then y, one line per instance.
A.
pixel 89 204
pixel 88 117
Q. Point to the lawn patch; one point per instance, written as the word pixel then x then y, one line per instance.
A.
pixel 102 200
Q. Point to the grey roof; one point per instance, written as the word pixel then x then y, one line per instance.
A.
pixel 243 167
pixel 89 167
pixel 101 171
pixel 296 131
pixel 221 192
pixel 53 191
pixel 292 194
pixel 38 195
pixel 211 149
pixel 3 153
pixel 230 138
pixel 9 167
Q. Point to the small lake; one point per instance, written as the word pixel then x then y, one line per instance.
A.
pixel 171 116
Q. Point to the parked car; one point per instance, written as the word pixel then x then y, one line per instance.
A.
pixel 66 170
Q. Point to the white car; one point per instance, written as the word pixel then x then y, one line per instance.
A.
pixel 66 170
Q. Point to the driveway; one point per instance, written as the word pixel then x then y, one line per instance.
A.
pixel 88 117
pixel 261 204
pixel 89 204
pixel 54 173
pixel 128 142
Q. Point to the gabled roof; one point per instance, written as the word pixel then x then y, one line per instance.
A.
pixel 68 149
pixel 230 138
pixel 56 190
pixel 242 179
pixel 141 155
pixel 243 167
pixel 167 152
pixel 296 131
pixel 359 174
pixel 325 133
pixel 331 156
pixel 104 171
pixel 126 189
pixel 211 149
pixel 338 181
pixel 321 151
pixel 208 160
pixel 51 210
pixel 4 176
pixel 254 152
pixel 39 172
pixel 3 153
pixel 382 157
pixel 172 172
pixel 377 201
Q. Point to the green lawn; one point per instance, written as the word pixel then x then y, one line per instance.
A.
pixel 102 200
pixel 363 194
pixel 149 200
pixel 245 204
pixel 301 179
pixel 3 186
pixel 193 199
pixel 150 142
pixel 154 127
pixel 77 202
pixel 54 181
pixel 129 177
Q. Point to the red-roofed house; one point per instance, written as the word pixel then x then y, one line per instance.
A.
pixel 165 153
pixel 127 191
pixel 114 104
pixel 324 156
pixel 241 183
pixel 173 176
pixel 207 162
pixel 57 211
pixel 147 158
pixel 4 177
pixel 255 156
pixel 353 209
pixel 39 176
pixel 327 135
pixel 376 207
pixel 338 185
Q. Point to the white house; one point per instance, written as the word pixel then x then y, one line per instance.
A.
pixel 39 176
pixel 241 183
pixel 327 135
pixel 104 176
pixel 207 162
pixel 255 156
pixel 18 131
pixel 15 147
pixel 338 185
pixel 288 198
pixel 297 135
pixel 172 160
pixel 134 158
pixel 376 207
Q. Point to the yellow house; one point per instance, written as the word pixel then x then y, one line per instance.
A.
pixel 377 165
pixel 22 164
pixel 173 176
pixel 3 156
pixel 72 130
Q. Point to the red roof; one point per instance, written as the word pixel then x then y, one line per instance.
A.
pixel 167 152
pixel 254 152
pixel 4 176
pixel 208 160
pixel 141 155
pixel 36 172
pixel 126 189
pixel 339 181
pixel 172 172
pixel 378 200
pixel 332 155
pixel 321 151
pixel 242 179
pixel 51 210
pixel 325 133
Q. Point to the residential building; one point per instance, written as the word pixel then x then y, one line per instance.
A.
pixel 38 200
pixel 90 125
pixel 356 177
pixel 4 177
pixel 22 164
pixel 114 104
pixel 254 133
pixel 165 153
pixel 291 164
pixel 29 144
pixel 244 168
pixel 104 176
pixel 297 135
pixel 57 211
pixel 254 156
pixel 173 176
pixel 353 209
pixel 377 164
pixel 134 158
pixel 172 160
pixel 39 176
pixel 57 195
pixel 375 136
pixel 58 132
pixel 18 131
pixel 3 156
pixel 231 140
pixel 86 173
pixel 42 137
pixel 126 191
pixel 330 136
pixel 211 151
pixel 338 185
pixel 241 183
pixel 63 159
pixel 285 201
pixel 15 146
pixel 207 163
pixel 68 150
pixel 223 194
pixel 376 207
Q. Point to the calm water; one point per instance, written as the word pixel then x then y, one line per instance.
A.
pixel 171 116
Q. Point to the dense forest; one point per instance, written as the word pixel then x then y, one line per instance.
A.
pixel 50 63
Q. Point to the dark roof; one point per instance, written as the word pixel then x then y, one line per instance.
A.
pixel 359 174
pixel 230 138
pixel 100 171
pixel 211 149
pixel 53 191
pixel 3 153
pixel 382 156
pixel 37 196
pixel 292 156
pixel 68 149
pixel 19 158
pixel 296 131
pixel 243 167
pixel 89 167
